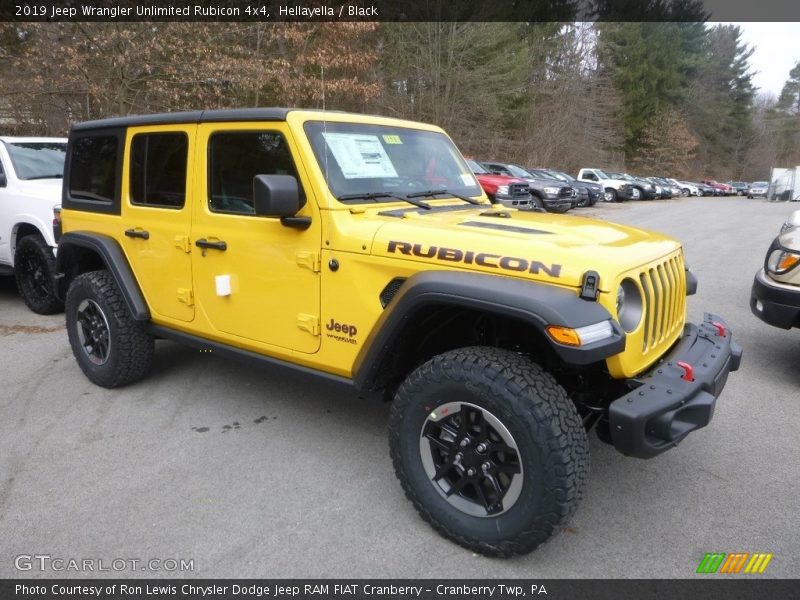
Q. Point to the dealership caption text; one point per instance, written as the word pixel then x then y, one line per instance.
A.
pixel 250 11
pixel 338 589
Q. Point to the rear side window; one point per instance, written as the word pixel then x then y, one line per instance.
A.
pixel 235 158
pixel 158 169
pixel 93 168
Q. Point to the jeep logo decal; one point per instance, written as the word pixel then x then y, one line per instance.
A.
pixel 350 330
pixel 469 257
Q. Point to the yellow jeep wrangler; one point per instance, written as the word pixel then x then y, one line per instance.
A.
pixel 362 249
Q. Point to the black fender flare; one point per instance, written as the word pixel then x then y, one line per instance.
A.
pixel 536 303
pixel 110 252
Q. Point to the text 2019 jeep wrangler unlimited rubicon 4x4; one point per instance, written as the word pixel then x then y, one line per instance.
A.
pixel 362 249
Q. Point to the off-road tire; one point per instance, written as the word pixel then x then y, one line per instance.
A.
pixel 34 270
pixel 610 195
pixel 130 347
pixel 552 443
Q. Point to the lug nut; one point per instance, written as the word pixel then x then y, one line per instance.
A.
pixel 482 447
pixel 470 471
pixel 464 442
pixel 485 467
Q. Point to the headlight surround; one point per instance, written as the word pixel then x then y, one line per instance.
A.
pixel 782 261
pixel 502 189
pixel 630 305
pixel 551 190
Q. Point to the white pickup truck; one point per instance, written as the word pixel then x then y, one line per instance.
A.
pixel 31 171
pixel 615 190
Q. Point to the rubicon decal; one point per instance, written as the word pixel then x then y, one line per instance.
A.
pixel 470 257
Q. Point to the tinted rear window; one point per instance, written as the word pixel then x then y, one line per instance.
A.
pixel 93 168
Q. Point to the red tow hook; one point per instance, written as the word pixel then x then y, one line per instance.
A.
pixel 688 371
pixel 721 331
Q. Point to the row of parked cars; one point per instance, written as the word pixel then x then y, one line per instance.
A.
pixel 30 190
pixel 554 190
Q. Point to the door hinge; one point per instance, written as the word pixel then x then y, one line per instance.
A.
pixel 309 323
pixel 309 260
pixel 182 243
pixel 186 296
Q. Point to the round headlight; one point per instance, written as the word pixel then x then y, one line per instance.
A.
pixel 629 305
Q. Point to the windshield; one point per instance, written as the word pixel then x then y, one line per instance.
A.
pixel 359 160
pixel 760 184
pixel 476 167
pixel 37 160
pixel 562 176
pixel 519 171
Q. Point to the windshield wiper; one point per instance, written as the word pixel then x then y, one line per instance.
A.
pixel 375 195
pixel 54 176
pixel 436 192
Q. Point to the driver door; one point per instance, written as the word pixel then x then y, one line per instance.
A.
pixel 255 278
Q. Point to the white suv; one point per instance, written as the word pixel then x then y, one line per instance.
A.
pixel 31 171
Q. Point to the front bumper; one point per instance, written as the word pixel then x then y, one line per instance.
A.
pixel 521 202
pixel 666 406
pixel 625 192
pixel 774 303
pixel 553 202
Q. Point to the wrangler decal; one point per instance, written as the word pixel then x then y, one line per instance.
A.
pixel 484 259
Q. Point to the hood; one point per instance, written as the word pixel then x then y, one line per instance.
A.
pixel 497 179
pixel 46 189
pixel 531 245
pixel 547 182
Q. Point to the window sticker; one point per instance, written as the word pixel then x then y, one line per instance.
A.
pixel 392 139
pixel 360 156
pixel 467 179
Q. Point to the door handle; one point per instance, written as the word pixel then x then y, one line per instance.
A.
pixel 204 244
pixel 137 233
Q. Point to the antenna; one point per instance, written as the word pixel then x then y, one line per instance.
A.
pixel 324 120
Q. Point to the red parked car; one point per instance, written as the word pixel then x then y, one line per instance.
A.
pixel 501 189
pixel 720 189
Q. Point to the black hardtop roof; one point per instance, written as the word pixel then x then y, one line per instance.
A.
pixel 196 116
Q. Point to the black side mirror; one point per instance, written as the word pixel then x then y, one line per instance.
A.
pixel 3 180
pixel 279 196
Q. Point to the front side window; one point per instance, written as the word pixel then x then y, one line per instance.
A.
pixel 235 158
pixel 93 168
pixel 158 169
pixel 360 161
pixel 37 160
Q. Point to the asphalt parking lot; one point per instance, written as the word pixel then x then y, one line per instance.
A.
pixel 264 473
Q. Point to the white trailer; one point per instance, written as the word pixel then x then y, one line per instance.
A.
pixel 784 184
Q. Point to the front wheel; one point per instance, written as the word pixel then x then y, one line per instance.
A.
pixel 489 449
pixel 610 195
pixel 34 271
pixel 111 347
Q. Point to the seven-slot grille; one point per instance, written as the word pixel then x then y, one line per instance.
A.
pixel 664 290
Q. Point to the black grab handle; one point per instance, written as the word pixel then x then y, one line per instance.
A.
pixel 204 243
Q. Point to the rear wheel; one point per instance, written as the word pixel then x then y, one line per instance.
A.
pixel 34 270
pixel 111 347
pixel 489 448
